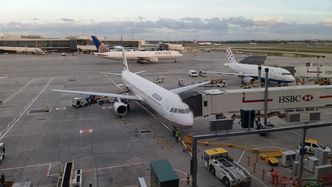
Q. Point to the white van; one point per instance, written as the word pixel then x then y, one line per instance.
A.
pixel 193 73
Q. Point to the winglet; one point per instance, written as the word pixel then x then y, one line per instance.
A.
pixel 230 56
pixel 101 47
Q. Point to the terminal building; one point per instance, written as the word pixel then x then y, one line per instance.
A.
pixel 33 43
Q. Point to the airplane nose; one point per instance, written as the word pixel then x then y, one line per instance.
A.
pixel 188 120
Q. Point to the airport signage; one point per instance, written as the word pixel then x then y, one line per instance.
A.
pixel 295 98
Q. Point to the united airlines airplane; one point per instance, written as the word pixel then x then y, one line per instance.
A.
pixel 139 56
pixel 249 72
pixel 166 102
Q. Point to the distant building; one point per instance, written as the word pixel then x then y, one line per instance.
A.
pixel 169 46
pixel 68 44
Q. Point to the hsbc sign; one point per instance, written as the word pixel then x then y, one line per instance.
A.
pixel 307 97
pixel 295 98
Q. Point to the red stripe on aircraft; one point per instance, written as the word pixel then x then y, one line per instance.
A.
pixel 325 96
pixel 254 100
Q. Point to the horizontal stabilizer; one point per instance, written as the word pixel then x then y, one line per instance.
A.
pixel 138 72
pixel 107 73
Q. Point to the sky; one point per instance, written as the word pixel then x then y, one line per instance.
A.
pixel 171 19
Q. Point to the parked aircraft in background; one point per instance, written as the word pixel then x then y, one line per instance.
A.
pixel 139 56
pixel 249 72
pixel 166 102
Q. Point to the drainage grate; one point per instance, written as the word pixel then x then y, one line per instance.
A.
pixel 147 131
pixel 39 111
pixel 71 80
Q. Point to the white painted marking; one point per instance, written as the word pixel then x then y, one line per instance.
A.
pixel 24 167
pixel 241 156
pixel 106 107
pixel 60 108
pixel 19 91
pixel 259 181
pixel 48 170
pixel 18 117
pixel 182 172
pixel 85 131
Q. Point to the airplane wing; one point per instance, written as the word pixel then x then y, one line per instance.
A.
pixel 121 96
pixel 230 73
pixel 189 87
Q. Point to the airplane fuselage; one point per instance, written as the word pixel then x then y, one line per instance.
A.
pixel 167 104
pixel 147 55
pixel 276 74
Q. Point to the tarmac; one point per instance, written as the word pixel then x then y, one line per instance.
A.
pixel 42 131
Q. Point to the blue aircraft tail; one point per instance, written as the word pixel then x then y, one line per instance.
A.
pixel 101 47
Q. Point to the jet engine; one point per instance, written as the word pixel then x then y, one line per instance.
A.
pixel 120 108
pixel 248 80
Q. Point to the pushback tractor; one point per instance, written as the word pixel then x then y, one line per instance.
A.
pixel 225 169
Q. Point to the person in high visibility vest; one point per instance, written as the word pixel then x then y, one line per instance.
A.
pixel 177 135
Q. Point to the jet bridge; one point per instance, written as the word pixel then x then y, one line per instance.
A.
pixel 217 101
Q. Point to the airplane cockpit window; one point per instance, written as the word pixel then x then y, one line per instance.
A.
pixel 180 111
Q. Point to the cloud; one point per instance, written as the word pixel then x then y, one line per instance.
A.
pixel 187 28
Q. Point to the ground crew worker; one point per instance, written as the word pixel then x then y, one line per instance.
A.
pixel 2 179
pixel 177 135
pixel 173 132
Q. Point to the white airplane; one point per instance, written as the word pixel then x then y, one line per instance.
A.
pixel 249 72
pixel 139 56
pixel 166 102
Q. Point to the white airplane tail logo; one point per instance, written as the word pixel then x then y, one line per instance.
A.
pixel 230 56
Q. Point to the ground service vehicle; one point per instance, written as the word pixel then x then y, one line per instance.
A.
pixel 193 73
pixel 224 168
pixel 79 102
pixel 312 144
pixel 160 79
pixel 103 100
pixel 181 83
